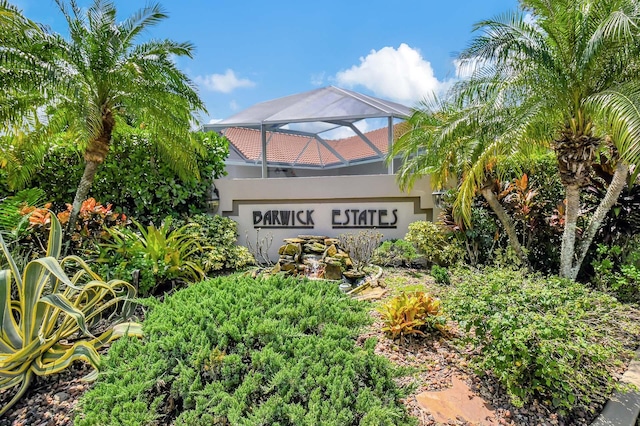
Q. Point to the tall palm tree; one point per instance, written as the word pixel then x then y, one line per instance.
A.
pixel 99 75
pixel 565 72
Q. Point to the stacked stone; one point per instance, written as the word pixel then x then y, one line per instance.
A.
pixel 313 256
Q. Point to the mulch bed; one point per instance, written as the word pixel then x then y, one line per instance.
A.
pixel 437 360
pixel 50 400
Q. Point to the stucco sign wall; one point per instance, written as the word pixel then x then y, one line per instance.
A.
pixel 335 205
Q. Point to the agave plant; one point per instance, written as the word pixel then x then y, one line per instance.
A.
pixel 46 326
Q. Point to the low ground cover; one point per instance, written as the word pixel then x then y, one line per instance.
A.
pixel 234 350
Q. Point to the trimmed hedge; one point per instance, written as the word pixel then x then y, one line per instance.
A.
pixel 239 351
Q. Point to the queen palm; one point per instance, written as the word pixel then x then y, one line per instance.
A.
pixel 100 75
pixel 565 72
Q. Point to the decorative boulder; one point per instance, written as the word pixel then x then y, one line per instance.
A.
pixel 332 271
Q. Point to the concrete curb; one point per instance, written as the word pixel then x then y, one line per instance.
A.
pixel 623 408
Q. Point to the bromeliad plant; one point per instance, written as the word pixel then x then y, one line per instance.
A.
pixel 412 313
pixel 166 250
pixel 46 326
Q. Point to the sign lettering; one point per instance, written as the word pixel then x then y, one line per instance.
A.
pixel 279 219
pixel 340 219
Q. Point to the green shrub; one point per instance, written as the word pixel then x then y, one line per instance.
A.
pixel 134 176
pixel 617 272
pixel 545 338
pixel 239 351
pixel 433 241
pixel 395 253
pixel 440 275
pixel 219 235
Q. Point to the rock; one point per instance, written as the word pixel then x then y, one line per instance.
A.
pixel 332 271
pixel 420 262
pixel 318 238
pixel 457 402
pixel 61 396
pixel 288 266
pixel 294 240
pixel 371 294
pixel 315 247
pixel 292 249
pixel 331 251
pixel 310 255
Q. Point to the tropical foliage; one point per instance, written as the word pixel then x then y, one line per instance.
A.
pixel 41 308
pixel 559 74
pixel 135 176
pixel 166 251
pixel 410 314
pixel 85 82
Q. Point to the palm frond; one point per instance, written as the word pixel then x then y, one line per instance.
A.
pixel 619 110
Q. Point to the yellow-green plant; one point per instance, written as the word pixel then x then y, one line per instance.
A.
pixel 411 313
pixel 45 325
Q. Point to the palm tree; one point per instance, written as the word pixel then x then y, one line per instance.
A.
pixel 442 141
pixel 566 73
pixel 100 75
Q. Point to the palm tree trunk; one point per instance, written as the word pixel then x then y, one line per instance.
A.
pixel 611 197
pixel 94 155
pixel 506 222
pixel 567 251
pixel 86 181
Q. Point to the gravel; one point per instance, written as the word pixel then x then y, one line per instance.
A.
pixel 50 400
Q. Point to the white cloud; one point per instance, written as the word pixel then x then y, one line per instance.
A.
pixel 225 83
pixel 234 105
pixel 215 120
pixel 400 74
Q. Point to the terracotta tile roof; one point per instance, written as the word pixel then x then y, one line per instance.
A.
pixel 286 148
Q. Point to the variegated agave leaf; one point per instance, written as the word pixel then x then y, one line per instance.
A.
pixel 49 309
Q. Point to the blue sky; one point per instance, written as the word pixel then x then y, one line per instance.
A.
pixel 252 51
